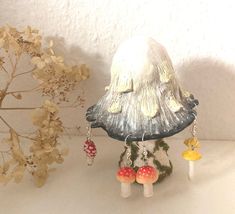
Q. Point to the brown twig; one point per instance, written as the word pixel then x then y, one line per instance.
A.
pixel 26 72
pixel 26 137
pixel 23 108
pixel 4 91
pixel 10 59
pixel 24 91
pixel 3 68
pixel 3 159
pixel 5 122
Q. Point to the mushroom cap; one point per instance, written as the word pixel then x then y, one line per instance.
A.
pixel 90 148
pixel 147 175
pixel 126 175
pixel 191 155
pixel 144 96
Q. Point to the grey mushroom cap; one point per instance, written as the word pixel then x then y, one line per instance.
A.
pixel 144 100
pixel 121 131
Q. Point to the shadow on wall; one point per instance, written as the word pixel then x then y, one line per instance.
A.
pixel 74 55
pixel 93 88
pixel 213 83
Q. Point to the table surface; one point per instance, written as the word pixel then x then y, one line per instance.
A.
pixel 78 189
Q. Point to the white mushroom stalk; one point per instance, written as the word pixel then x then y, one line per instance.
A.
pixel 148 190
pixel 191 155
pixel 191 170
pixel 125 190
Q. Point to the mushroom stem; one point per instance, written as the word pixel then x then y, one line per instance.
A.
pixel 125 190
pixel 90 161
pixel 191 170
pixel 148 190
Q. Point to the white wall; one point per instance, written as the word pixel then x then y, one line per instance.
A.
pixel 198 35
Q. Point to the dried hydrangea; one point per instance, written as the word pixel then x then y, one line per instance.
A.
pixel 56 80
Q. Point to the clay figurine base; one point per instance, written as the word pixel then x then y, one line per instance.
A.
pixel 157 156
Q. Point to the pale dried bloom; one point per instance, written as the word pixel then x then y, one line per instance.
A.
pixel 38 116
pixel 50 106
pixel 56 80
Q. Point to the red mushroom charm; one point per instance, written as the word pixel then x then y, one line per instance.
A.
pixel 90 150
pixel 147 175
pixel 126 175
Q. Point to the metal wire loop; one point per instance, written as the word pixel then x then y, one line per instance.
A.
pixel 143 137
pixel 128 152
pixel 89 133
pixel 126 140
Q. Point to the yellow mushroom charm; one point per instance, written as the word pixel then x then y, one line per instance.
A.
pixel 191 154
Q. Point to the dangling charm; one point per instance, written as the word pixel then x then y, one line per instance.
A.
pixel 192 154
pixel 89 148
pixel 126 175
pixel 147 175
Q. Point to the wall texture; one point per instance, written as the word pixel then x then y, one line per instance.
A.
pixel 198 35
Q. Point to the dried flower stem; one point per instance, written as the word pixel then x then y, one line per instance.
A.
pixel 23 108
pixel 3 158
pixel 14 66
pixel 10 59
pixel 5 122
pixel 24 91
pixel 4 69
pixel 23 73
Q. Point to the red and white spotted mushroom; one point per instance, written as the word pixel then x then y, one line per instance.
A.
pixel 90 150
pixel 126 175
pixel 147 175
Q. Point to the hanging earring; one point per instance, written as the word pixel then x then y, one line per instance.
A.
pixel 146 175
pixel 89 147
pixel 128 153
pixel 192 154
pixel 145 152
pixel 126 175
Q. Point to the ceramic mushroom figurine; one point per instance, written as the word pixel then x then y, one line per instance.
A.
pixel 143 104
pixel 191 154
pixel 147 175
pixel 126 176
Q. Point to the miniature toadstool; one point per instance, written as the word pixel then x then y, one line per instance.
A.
pixel 126 175
pixel 147 175
pixel 191 154
pixel 90 149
